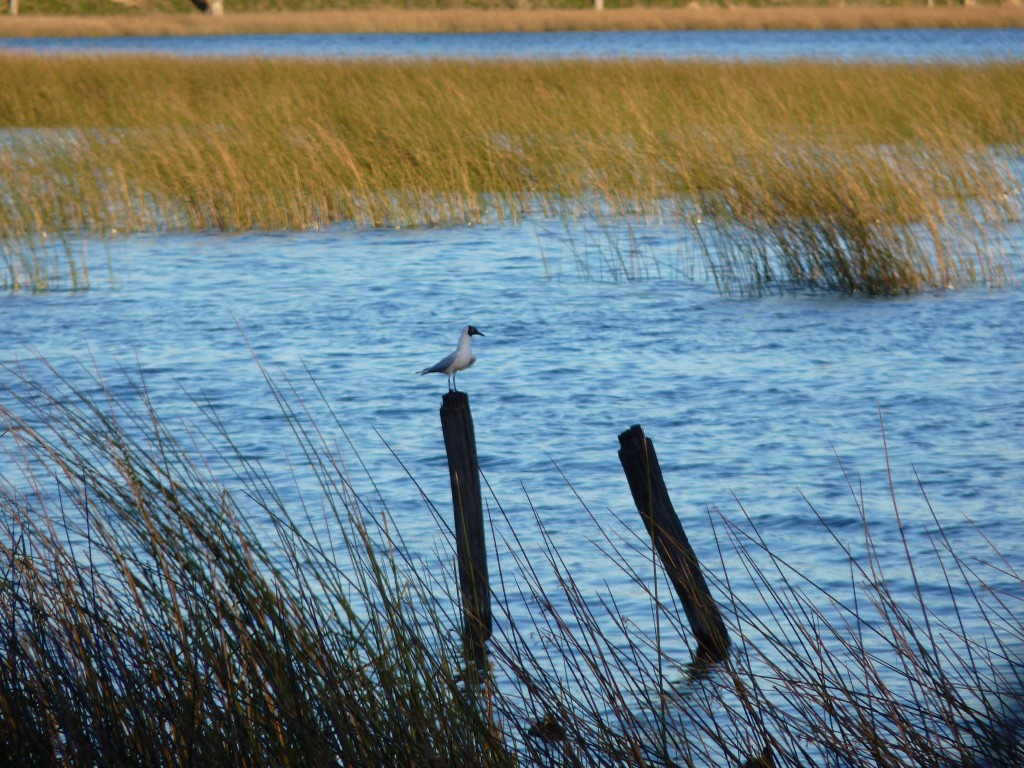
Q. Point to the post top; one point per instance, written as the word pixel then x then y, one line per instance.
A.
pixel 454 399
pixel 632 437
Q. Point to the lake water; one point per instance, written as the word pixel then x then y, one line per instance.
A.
pixel 748 399
pixel 850 45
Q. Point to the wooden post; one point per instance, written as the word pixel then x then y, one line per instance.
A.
pixel 12 7
pixel 470 540
pixel 650 495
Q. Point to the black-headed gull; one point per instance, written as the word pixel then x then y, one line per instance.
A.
pixel 459 360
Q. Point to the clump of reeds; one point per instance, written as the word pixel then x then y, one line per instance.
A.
pixel 148 619
pixel 876 178
pixel 857 219
pixel 152 614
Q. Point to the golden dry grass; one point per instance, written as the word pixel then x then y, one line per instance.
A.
pixel 519 20
pixel 816 161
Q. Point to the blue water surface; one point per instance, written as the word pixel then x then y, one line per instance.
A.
pixel 954 45
pixel 748 397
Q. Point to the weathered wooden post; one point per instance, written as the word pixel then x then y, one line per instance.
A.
pixel 640 463
pixel 470 540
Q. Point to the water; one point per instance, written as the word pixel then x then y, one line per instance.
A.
pixel 741 396
pixel 956 45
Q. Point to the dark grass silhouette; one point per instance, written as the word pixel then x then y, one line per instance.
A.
pixel 150 614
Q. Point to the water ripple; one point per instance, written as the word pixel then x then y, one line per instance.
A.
pixel 747 399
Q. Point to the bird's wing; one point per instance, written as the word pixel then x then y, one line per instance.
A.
pixel 441 366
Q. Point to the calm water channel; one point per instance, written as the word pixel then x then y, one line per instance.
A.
pixel 870 45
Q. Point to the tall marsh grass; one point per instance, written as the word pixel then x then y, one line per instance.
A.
pixel 876 178
pixel 63 18
pixel 152 614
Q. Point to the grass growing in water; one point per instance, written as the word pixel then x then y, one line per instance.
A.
pixel 151 616
pixel 859 177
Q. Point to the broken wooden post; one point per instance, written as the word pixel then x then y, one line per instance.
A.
pixel 647 484
pixel 470 541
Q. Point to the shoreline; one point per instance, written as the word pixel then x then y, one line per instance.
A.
pixel 393 20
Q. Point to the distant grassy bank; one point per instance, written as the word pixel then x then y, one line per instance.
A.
pixel 881 178
pixel 179 17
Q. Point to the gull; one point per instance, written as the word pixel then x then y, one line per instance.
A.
pixel 459 360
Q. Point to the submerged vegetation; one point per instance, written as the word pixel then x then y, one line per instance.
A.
pixel 882 178
pixel 152 615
